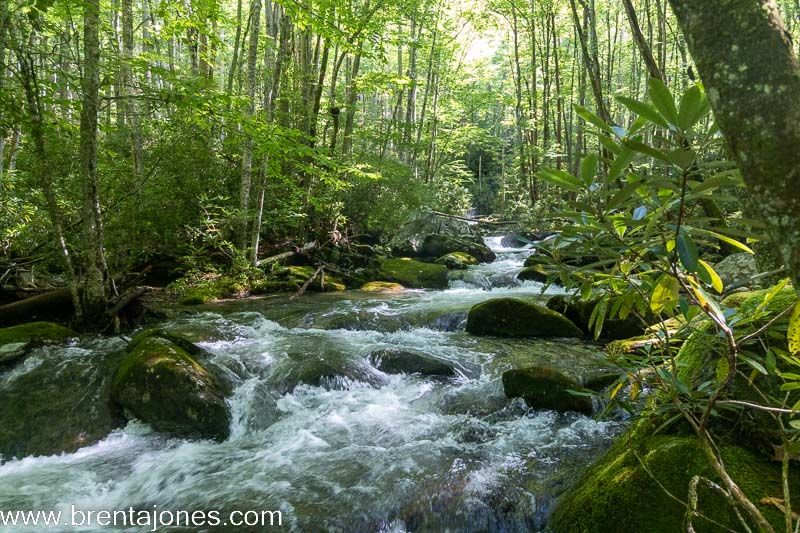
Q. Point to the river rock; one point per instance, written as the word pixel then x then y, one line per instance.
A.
pixel 413 274
pixel 333 372
pixel 457 261
pixel 165 386
pixel 513 317
pixel 403 362
pixel 533 273
pixel 410 237
pixel 545 388
pixel 382 286
pixel 439 245
pixel 57 402
pixel 17 341
pixel 737 269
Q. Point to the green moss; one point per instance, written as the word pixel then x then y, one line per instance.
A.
pixel 545 388
pixel 534 273
pixel 620 488
pixel 413 274
pixel 457 260
pixel 40 331
pixel 512 317
pixel 162 384
pixel 382 286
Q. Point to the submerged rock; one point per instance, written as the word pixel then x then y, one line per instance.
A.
pixel 545 388
pixel 439 245
pixel 512 317
pixel 17 341
pixel 53 404
pixel 336 372
pixel 457 260
pixel 413 274
pixel 165 386
pixel 403 362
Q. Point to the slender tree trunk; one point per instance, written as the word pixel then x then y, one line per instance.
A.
pixel 247 149
pixel 94 293
pixel 641 42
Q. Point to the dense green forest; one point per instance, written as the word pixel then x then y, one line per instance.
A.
pixel 319 164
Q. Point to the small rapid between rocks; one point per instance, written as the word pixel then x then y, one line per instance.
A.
pixel 393 453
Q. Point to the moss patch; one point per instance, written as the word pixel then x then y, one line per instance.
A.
pixel 413 274
pixel 457 260
pixel 545 388
pixel 382 286
pixel 619 491
pixel 41 331
pixel 512 317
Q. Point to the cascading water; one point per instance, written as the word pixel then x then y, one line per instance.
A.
pixel 403 453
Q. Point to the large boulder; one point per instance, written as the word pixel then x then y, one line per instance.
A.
pixel 413 274
pixel 512 317
pixel 580 312
pixel 166 386
pixel 409 238
pixel 631 485
pixel 17 341
pixel 439 245
pixel 403 362
pixel 382 286
pixel 737 269
pixel 546 388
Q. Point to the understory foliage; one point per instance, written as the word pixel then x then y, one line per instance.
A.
pixel 640 211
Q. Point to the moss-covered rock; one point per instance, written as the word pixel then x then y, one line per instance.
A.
pixel 382 286
pixel 546 388
pixel 620 492
pixel 580 312
pixel 534 273
pixel 413 274
pixel 439 245
pixel 457 260
pixel 165 386
pixel 403 362
pixel 512 317
pixel 17 341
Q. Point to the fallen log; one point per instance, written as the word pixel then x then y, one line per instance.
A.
pixel 52 305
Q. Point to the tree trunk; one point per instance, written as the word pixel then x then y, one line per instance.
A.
pixel 247 149
pixel 641 42
pixel 94 294
pixel 752 76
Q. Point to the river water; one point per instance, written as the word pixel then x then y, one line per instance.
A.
pixel 407 454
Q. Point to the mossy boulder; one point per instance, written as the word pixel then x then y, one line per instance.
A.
pixel 165 386
pixel 382 286
pixel 534 273
pixel 403 362
pixel 457 260
pixel 439 245
pixel 413 274
pixel 546 388
pixel 580 312
pixel 513 317
pixel 626 488
pixel 17 341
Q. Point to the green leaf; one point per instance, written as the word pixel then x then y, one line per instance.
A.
pixel 642 148
pixel 716 281
pixel 682 158
pixel 694 106
pixel 624 194
pixel 561 179
pixel 621 162
pixel 643 110
pixel 725 238
pixel 589 169
pixel 593 119
pixel 663 100
pixel 665 294
pixel 793 334
pixel 687 252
